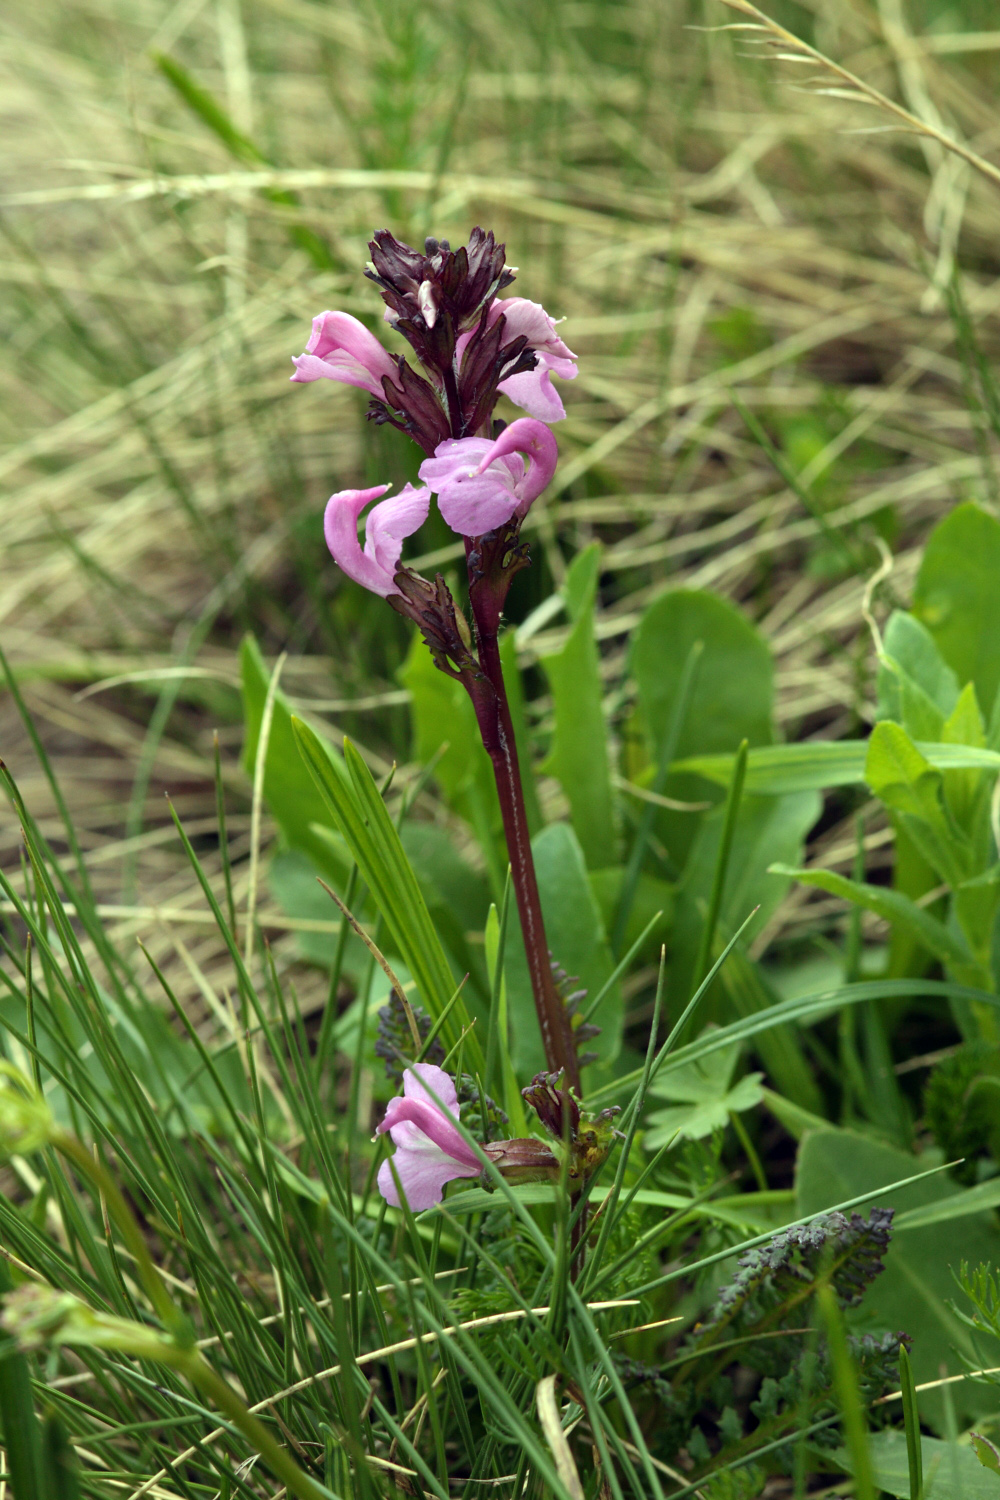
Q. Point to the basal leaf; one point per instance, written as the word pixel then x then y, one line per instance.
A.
pixel 913 1292
pixel 579 755
pixel 893 906
pixel 955 596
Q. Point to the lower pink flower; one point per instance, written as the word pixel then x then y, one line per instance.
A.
pixel 387 526
pixel 430 1150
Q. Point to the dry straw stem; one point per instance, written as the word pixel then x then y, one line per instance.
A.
pixel 373 1356
pixel 860 91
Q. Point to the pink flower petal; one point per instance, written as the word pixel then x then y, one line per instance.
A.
pixel 343 349
pixel 423 1178
pixel 422 1077
pixel 391 522
pixel 532 440
pixel 388 524
pixel 432 1122
pixel 534 393
pixel 531 320
pixel 472 502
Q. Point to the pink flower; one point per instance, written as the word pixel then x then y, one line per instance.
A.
pixel 480 485
pixel 430 1150
pixel 387 525
pixel 342 349
pixel 533 390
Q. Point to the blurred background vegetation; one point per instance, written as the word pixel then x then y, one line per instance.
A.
pixel 734 250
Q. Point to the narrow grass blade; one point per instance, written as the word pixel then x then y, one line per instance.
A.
pixel 911 1422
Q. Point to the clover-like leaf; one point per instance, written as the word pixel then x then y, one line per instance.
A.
pixel 705 1095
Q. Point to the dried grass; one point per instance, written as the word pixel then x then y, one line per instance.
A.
pixel 162 482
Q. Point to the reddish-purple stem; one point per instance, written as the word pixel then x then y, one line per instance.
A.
pixel 493 715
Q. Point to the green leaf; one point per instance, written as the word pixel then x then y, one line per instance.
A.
pixel 963 789
pixel 577 941
pixel 916 687
pixel 774 770
pixel 651 896
pixel 801 1010
pixel 987 1454
pixel 768 830
pixel 292 880
pixel 357 807
pixel 734 689
pixel 289 790
pixel 892 1473
pixel 903 777
pixel 892 906
pixel 912 1293
pixel 974 1200
pixel 955 596
pixel 578 758
pixel 706 1090
pixel 457 897
pixel 443 715
pixel 748 991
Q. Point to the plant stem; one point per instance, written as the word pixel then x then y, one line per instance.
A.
pixel 497 730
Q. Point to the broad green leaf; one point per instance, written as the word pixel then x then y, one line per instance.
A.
pixel 292 880
pixel 913 1291
pixel 706 1094
pixel 733 692
pixel 900 775
pixel 955 596
pixel 576 939
pixel 768 830
pixel 651 896
pixel 905 780
pixel 443 715
pixel 578 758
pixel 774 770
pixel 963 789
pixel 974 1200
pixel 916 687
pixel 892 906
pixel 942 1463
pixel 371 836
pixel 289 790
